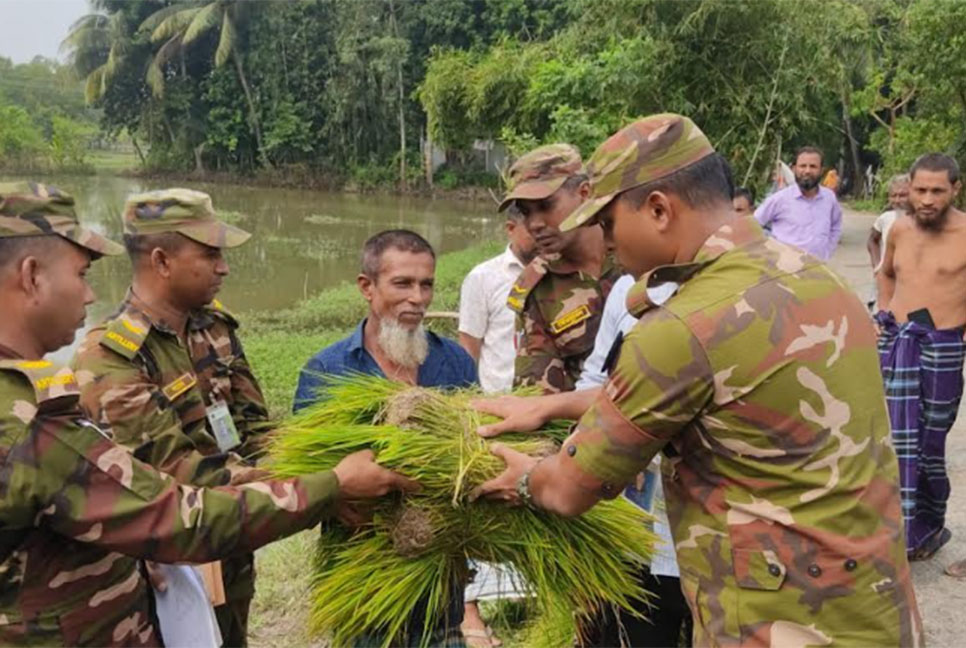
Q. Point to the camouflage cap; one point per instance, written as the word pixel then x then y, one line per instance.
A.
pixel 648 149
pixel 541 172
pixel 34 209
pixel 185 211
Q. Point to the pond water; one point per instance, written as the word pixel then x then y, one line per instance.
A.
pixel 303 241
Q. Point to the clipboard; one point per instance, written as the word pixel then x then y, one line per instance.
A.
pixel 214 582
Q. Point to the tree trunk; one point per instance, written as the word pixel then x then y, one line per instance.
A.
pixel 428 158
pixel 768 114
pixel 402 103
pixel 402 132
pixel 199 162
pixel 137 149
pixel 856 180
pixel 253 120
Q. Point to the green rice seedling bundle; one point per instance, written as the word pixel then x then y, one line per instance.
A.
pixel 367 581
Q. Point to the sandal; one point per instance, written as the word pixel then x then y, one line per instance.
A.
pixel 957 569
pixel 480 638
pixel 931 546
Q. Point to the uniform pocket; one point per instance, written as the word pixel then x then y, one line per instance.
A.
pixel 758 569
pixel 814 593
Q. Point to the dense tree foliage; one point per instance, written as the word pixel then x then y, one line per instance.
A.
pixel 349 88
pixel 43 120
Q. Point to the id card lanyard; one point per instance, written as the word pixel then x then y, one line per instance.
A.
pixel 222 424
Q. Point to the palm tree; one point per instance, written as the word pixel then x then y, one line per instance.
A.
pixel 181 24
pixel 95 46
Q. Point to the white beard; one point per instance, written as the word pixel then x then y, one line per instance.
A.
pixel 404 347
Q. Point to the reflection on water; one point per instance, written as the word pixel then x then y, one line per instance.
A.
pixel 303 241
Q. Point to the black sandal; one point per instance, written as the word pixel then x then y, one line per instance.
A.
pixel 931 546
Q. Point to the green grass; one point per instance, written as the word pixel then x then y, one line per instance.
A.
pixel 279 612
pixel 278 344
pixel 112 161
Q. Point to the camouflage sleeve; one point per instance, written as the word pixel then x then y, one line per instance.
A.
pixel 248 408
pixel 117 395
pixel 538 361
pixel 88 488
pixel 661 384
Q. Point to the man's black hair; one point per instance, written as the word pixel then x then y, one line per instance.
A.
pixel 14 249
pixel 514 214
pixel 398 239
pixel 706 182
pixel 139 246
pixel 936 162
pixel 745 192
pixel 573 182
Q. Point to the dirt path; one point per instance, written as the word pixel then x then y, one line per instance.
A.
pixel 942 600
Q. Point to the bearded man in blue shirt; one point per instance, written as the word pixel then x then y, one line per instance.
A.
pixel 398 270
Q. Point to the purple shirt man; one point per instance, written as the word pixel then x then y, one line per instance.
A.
pixel 813 224
pixel 804 214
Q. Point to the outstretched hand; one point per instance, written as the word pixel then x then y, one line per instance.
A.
pixel 360 477
pixel 519 414
pixel 504 486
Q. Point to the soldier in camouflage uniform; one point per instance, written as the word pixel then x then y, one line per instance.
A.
pixel 559 297
pixel 77 510
pixel 166 374
pixel 749 369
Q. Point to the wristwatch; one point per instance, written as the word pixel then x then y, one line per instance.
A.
pixel 523 488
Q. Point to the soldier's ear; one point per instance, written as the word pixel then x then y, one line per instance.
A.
pixel 29 275
pixel 160 261
pixel 658 209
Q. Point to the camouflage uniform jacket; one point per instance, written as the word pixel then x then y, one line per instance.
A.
pixel 151 390
pixel 75 508
pixel 758 378
pixel 558 314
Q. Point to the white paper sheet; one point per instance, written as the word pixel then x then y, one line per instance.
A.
pixel 186 616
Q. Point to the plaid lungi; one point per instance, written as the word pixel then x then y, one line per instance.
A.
pixel 923 372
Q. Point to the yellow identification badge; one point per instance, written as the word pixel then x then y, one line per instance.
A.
pixel 571 319
pixel 179 385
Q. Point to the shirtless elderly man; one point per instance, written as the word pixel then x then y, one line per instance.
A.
pixel 922 291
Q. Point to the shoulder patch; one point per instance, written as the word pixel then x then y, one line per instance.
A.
pixel 48 380
pixel 218 309
pixel 125 335
pixel 525 283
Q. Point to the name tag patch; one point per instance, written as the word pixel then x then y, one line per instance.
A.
pixel 571 319
pixel 123 341
pixel 54 381
pixel 179 385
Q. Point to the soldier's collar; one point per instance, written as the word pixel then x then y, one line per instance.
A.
pixel 556 265
pixel 738 233
pixel 142 313
pixel 658 285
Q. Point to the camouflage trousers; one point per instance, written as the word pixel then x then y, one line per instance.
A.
pixel 239 578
